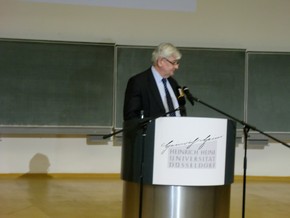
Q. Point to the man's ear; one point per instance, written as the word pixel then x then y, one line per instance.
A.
pixel 159 62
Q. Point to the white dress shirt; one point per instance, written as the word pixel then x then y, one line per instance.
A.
pixel 158 80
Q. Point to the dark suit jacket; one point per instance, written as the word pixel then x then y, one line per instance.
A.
pixel 142 94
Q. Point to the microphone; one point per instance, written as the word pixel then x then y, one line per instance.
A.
pixel 181 101
pixel 181 98
pixel 188 95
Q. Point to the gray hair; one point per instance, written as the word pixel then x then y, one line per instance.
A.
pixel 165 50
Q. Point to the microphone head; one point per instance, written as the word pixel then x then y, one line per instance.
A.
pixel 188 95
pixel 185 89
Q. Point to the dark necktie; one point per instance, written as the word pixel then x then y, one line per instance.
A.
pixel 168 98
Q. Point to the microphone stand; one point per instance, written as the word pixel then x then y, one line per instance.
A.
pixel 143 126
pixel 246 128
pixel 144 133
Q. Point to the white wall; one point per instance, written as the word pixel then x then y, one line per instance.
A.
pixel 249 24
pixel 57 155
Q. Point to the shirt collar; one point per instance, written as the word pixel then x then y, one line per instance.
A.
pixel 156 75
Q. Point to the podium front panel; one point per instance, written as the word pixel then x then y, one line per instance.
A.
pixel 190 151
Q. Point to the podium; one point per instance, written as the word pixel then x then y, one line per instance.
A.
pixel 178 167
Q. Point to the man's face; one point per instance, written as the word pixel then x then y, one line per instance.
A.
pixel 168 66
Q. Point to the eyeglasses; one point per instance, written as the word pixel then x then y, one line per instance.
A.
pixel 176 62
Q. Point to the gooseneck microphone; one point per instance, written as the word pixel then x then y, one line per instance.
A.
pixel 188 95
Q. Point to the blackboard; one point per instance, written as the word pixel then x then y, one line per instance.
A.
pixel 130 61
pixel 72 84
pixel 216 76
pixel 48 83
pixel 269 96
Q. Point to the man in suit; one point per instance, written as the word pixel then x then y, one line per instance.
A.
pixel 155 92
